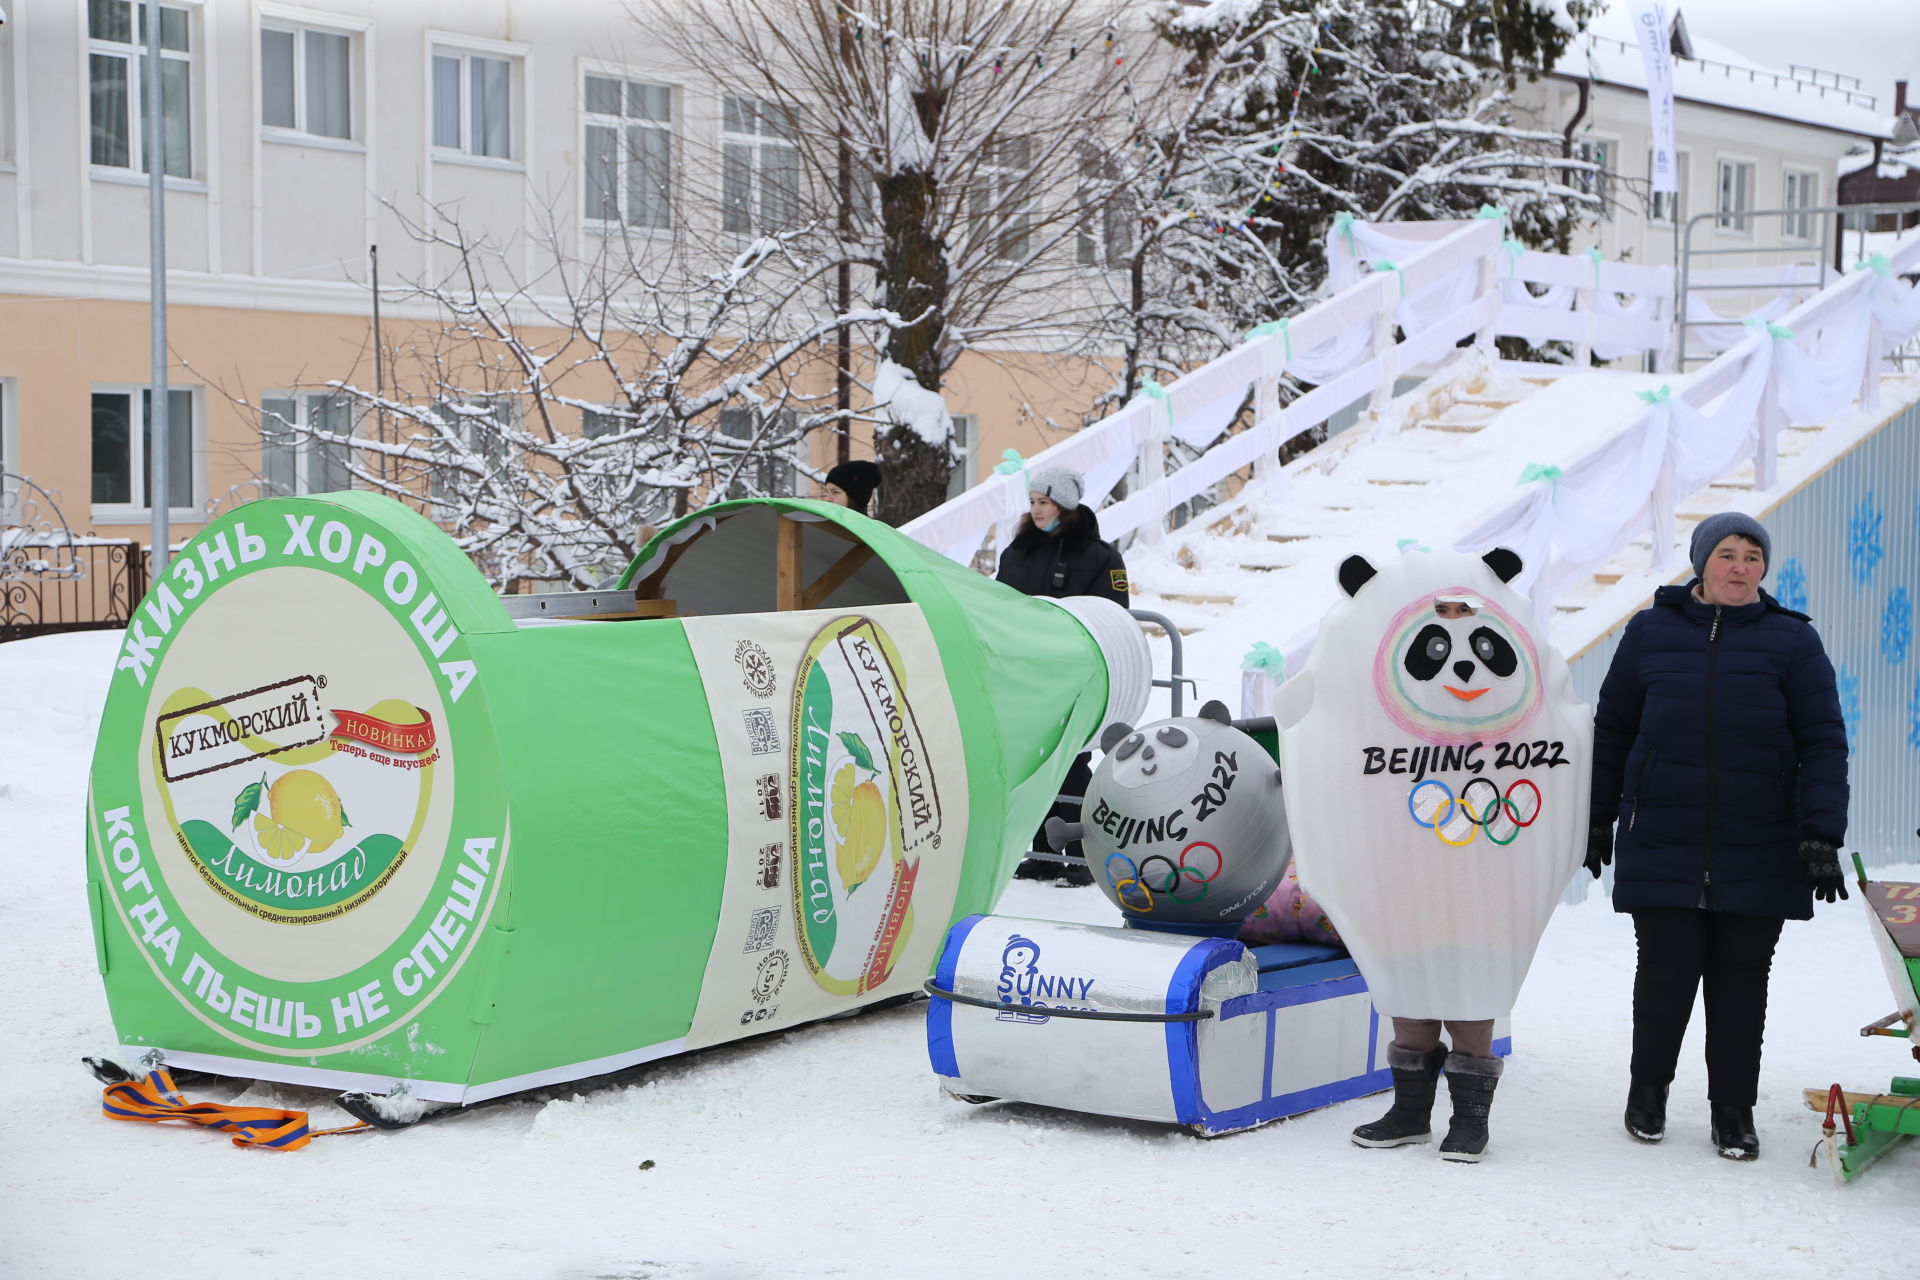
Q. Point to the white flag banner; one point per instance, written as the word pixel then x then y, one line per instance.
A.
pixel 1650 23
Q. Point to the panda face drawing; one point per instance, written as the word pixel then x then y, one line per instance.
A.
pixel 1153 754
pixel 1458 670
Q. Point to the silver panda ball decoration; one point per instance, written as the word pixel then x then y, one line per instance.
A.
pixel 1184 822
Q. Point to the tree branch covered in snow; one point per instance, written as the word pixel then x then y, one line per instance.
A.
pixel 1283 113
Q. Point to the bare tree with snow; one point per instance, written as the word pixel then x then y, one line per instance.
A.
pixel 944 140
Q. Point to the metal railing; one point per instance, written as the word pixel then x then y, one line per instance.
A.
pixel 1822 259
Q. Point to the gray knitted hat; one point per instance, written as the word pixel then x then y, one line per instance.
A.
pixel 1061 486
pixel 1709 533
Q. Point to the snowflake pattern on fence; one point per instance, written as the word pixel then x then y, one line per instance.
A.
pixel 1913 715
pixel 1790 585
pixel 1864 551
pixel 1849 685
pixel 1896 627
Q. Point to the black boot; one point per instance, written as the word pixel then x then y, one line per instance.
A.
pixel 1646 1110
pixel 1733 1133
pixel 1470 1082
pixel 1416 1076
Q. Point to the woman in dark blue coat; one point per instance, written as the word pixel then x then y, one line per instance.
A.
pixel 1719 749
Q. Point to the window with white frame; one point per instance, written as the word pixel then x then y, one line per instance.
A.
pixel 759 167
pixel 473 103
pixel 6 94
pixel 123 447
pixel 1105 235
pixel 1800 191
pixel 595 423
pixel 997 190
pixel 1597 183
pixel 306 80
pixel 116 86
pixel 966 445
pixel 629 153
pixel 1733 197
pixel 1668 208
pixel 292 462
pixel 9 444
pixel 771 470
pixel 478 423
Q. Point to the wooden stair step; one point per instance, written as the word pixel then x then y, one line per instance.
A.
pixel 1606 579
pixel 1288 537
pixel 1194 597
pixel 1398 482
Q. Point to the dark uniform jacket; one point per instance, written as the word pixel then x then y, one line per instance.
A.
pixel 1074 562
pixel 1718 741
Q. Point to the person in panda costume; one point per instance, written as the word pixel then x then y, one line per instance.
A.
pixel 1447 755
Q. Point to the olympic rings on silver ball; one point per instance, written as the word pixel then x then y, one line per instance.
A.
pixel 1477 814
pixel 1134 884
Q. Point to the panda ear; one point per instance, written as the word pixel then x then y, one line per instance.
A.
pixel 1113 735
pixel 1355 573
pixel 1504 563
pixel 1216 710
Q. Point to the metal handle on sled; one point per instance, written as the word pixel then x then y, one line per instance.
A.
pixel 1041 1012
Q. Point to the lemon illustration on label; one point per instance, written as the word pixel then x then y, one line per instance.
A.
pixel 303 814
pixel 860 819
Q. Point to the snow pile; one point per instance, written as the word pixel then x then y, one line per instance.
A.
pixel 827 1151
pixel 898 395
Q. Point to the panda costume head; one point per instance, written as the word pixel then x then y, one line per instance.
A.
pixel 1448 758
pixel 1453 665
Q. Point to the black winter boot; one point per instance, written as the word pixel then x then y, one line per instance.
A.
pixel 1646 1117
pixel 1471 1082
pixel 1416 1076
pixel 1733 1133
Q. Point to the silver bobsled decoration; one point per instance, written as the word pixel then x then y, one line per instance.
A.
pixel 1183 821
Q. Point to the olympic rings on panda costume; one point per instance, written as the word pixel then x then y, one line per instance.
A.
pixel 1477 813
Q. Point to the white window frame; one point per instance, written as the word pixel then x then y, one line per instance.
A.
pixel 1604 151
pixel 1798 226
pixel 309 457
pixel 9 104
pixel 966 448
pixel 10 425
pixel 624 157
pixel 1735 220
pixel 995 183
pixel 442 44
pixel 1096 247
pixel 437 489
pixel 299 23
pixel 1669 208
pixel 107 512
pixel 780 470
pixel 134 55
pixel 760 145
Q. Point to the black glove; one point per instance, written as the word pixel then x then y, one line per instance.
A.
pixel 1599 847
pixel 1820 862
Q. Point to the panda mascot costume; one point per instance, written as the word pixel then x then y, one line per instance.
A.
pixel 1438 764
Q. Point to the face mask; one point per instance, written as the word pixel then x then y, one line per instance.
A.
pixel 1050 525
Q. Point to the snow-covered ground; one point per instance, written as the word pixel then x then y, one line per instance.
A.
pixel 828 1151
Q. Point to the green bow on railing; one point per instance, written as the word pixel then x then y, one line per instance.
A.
pixel 1264 657
pixel 1878 263
pixel 1513 249
pixel 1663 396
pixel 1594 256
pixel 1011 463
pixel 1541 472
pixel 1779 331
pixel 1154 391
pixel 1403 543
pixel 1387 264
pixel 1271 327
pixel 1343 228
pixel 1491 212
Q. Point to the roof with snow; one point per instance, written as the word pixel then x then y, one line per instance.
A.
pixel 1716 75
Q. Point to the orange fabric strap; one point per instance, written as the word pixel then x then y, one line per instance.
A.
pixel 154 1100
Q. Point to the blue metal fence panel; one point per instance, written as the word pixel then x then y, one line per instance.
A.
pixel 1847 552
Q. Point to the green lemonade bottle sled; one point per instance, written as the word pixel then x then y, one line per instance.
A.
pixel 355 820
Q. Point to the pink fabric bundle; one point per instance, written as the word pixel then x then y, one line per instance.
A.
pixel 1289 915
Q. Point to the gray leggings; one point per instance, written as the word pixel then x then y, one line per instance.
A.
pixel 1475 1039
